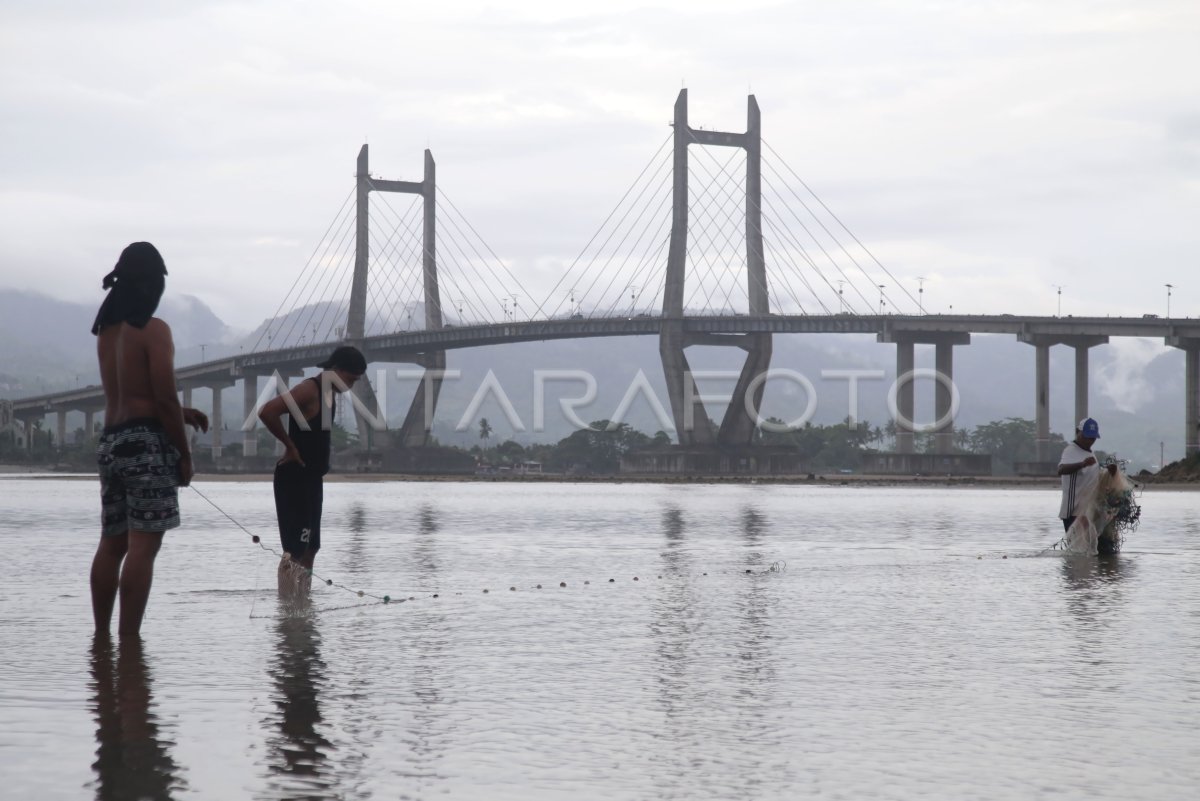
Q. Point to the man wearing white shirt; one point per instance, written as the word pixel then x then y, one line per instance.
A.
pixel 1080 474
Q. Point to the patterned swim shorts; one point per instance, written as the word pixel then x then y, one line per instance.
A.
pixel 139 478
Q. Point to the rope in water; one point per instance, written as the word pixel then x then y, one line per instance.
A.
pixel 775 567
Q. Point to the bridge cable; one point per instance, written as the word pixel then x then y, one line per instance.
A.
pixel 712 253
pixel 309 262
pixel 417 247
pixel 301 303
pixel 803 251
pixel 840 223
pixel 729 224
pixel 698 251
pixel 402 266
pixel 645 265
pixel 787 238
pixel 470 274
pixel 641 268
pixel 887 272
pixel 705 251
pixel 741 201
pixel 571 267
pixel 599 301
pixel 493 281
pixel 658 189
pixel 302 273
pixel 322 283
pixel 791 243
pixel 816 241
pixel 442 266
pixel 655 214
pixel 383 294
pixel 783 278
pixel 516 281
pixel 327 286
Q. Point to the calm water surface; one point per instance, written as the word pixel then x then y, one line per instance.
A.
pixel 914 646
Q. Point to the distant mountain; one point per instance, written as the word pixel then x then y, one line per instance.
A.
pixel 1136 385
pixel 47 344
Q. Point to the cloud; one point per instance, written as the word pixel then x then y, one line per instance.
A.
pixel 1000 147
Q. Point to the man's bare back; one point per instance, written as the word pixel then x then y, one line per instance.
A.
pixel 137 370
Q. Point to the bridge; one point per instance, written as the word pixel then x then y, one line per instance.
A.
pixel 722 282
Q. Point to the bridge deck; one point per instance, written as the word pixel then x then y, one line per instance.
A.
pixel 406 346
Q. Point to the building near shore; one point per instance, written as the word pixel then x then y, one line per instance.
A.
pixel 673 460
pixel 927 464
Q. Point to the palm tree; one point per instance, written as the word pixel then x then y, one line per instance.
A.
pixel 485 429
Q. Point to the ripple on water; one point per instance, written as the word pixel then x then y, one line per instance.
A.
pixel 885 660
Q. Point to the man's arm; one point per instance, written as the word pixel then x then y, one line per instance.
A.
pixel 195 418
pixel 1068 469
pixel 160 353
pixel 299 401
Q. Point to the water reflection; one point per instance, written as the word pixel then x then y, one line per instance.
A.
pixel 298 754
pixel 1094 597
pixel 133 758
pixel 675 631
pixel 753 675
pixel 355 560
pixel 429 665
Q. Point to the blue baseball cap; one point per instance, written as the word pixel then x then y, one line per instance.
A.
pixel 1089 428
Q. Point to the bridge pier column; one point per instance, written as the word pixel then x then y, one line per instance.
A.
pixel 60 429
pixel 415 431
pixel 1082 344
pixel 216 420
pixel 186 393
pixel 1191 389
pixel 1191 438
pixel 89 425
pixel 1046 451
pixel 1041 392
pixel 28 435
pixel 905 395
pixel 1081 382
pixel 943 397
pixel 249 414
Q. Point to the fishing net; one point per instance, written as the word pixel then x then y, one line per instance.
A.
pixel 1111 513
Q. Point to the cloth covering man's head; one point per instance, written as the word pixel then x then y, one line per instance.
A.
pixel 134 286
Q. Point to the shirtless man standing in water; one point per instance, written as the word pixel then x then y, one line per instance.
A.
pixel 143 454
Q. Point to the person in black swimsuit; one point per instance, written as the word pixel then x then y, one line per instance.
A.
pixel 298 475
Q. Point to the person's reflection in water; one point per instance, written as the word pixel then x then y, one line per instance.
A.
pixel 1094 587
pixel 298 755
pixel 133 759
pixel 355 556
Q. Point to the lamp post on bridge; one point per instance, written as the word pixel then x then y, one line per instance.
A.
pixel 921 295
pixel 1169 288
pixel 841 297
pixel 881 288
pixel 1059 287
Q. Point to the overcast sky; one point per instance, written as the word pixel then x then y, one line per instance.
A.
pixel 995 148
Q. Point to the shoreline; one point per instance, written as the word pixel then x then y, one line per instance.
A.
pixel 861 480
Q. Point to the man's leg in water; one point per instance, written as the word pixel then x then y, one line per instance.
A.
pixel 106 574
pixel 136 578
